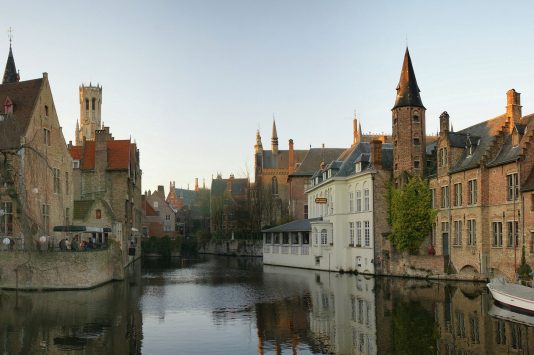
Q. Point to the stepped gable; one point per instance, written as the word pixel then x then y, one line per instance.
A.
pixel 23 95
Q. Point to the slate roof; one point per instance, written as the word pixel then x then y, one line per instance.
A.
pixel 407 90
pixel 13 126
pixel 187 195
pixel 313 158
pixel 239 186
pixel 482 135
pixel 301 225
pixel 10 73
pixel 281 159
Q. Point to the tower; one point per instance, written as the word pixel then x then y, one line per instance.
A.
pixel 274 139
pixel 409 138
pixel 90 112
pixel 10 73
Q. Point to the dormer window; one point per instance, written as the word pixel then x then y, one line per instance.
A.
pixel 358 167
pixel 8 105
pixel 324 175
pixel 515 138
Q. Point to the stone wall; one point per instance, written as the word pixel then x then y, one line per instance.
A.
pixel 34 270
pixel 416 265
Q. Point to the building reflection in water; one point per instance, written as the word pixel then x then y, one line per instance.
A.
pixel 353 314
pixel 104 320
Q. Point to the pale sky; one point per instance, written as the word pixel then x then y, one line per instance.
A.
pixel 191 81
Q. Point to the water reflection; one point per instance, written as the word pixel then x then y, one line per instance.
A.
pixel 220 305
pixel 98 321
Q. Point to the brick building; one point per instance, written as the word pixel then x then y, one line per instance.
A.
pixel 159 218
pixel 107 185
pixel 36 178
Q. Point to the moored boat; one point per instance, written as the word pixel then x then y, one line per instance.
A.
pixel 514 295
pixel 508 315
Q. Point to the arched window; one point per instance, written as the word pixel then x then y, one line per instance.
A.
pixel 274 184
pixel 87 104
pixel 324 236
pixel 93 103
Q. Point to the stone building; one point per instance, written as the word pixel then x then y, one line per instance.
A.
pixel 107 185
pixel 90 113
pixel 36 180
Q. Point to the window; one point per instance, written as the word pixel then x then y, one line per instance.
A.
pixel 358 201
pixel 358 167
pixel 67 188
pixel 367 233
pixel 416 118
pixel 46 134
pixel 268 238
pixel 513 187
pixel 46 110
pixel 473 322
pixel 57 182
pixel 168 217
pixel 285 238
pixel 366 199
pixel 460 326
pixel 274 185
pixel 500 332
pixel 324 236
pixel 98 214
pixel 416 141
pixel 458 195
pixel 75 164
pixel 512 233
pixel 442 157
pixel 156 204
pixel 45 215
pixel 87 104
pixel 351 233
pixel 471 232
pixel 93 105
pixel 497 234
pixel 351 201
pixel 305 211
pixel 444 196
pixel 6 218
pixel 358 233
pixel 472 190
pixel 458 232
pixel 416 164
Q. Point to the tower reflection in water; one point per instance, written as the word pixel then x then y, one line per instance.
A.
pixel 354 314
pixel 104 320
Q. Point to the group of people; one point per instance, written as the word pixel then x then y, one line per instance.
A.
pixel 77 245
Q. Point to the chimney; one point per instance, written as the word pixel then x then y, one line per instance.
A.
pixel 229 183
pixel 291 163
pixel 376 152
pixel 513 106
pixel 444 122
pixel 196 185
pixel 161 190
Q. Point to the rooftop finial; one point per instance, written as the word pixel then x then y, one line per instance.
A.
pixel 10 35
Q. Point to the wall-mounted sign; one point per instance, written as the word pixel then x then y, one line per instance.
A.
pixel 320 200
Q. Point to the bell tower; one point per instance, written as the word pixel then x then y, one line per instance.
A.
pixel 409 138
pixel 90 112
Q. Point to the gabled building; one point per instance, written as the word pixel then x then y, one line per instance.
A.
pixel 36 175
pixel 230 207
pixel 159 219
pixel 482 190
pixel 107 182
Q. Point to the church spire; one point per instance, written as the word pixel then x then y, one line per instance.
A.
pixel 407 90
pixel 258 147
pixel 274 139
pixel 10 74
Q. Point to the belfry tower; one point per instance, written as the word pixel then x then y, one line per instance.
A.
pixel 409 138
pixel 90 113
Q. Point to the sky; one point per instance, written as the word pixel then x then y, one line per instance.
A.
pixel 192 81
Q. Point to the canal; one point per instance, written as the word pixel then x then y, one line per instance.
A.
pixel 220 305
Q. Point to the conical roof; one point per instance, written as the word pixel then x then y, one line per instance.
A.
pixel 10 74
pixel 407 90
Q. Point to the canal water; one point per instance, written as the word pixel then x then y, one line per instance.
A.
pixel 220 305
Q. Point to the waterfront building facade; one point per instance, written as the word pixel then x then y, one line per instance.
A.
pixel 36 179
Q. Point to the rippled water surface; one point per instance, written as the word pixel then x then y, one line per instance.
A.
pixel 219 305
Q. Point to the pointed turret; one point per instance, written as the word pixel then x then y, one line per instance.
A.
pixel 10 74
pixel 274 139
pixel 258 146
pixel 407 90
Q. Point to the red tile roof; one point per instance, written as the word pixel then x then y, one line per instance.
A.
pixel 119 152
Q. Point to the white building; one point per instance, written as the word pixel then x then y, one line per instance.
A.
pixel 348 215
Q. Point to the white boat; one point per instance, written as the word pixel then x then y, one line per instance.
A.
pixel 513 295
pixel 511 316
